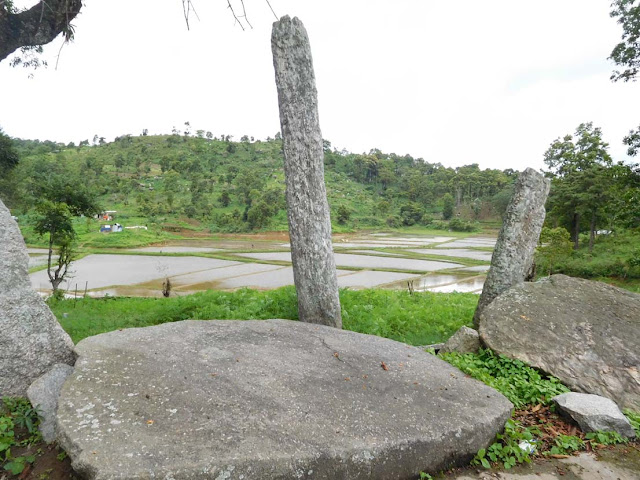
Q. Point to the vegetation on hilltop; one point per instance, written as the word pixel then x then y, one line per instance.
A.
pixel 219 185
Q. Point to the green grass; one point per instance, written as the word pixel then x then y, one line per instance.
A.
pixel 615 259
pixel 418 319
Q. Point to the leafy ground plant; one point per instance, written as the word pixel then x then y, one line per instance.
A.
pixel 507 448
pixel 18 428
pixel 634 419
pixel 521 384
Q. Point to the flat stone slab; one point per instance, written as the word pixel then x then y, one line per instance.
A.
pixel 269 399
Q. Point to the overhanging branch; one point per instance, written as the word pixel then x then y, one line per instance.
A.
pixel 36 26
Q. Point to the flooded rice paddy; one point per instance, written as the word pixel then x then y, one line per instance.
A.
pixel 363 261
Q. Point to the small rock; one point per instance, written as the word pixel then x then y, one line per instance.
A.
pixel 594 413
pixel 44 393
pixel 465 340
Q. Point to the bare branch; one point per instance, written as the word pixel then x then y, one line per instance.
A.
pixel 272 11
pixel 230 7
pixel 244 15
pixel 187 6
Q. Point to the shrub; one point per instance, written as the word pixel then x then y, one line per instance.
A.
pixel 394 221
pixel 459 225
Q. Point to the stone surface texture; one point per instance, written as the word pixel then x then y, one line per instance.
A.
pixel 44 393
pixel 272 399
pixel 31 339
pixel 314 268
pixel 512 258
pixel 585 333
pixel 465 340
pixel 593 413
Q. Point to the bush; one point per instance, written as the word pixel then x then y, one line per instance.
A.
pixel 459 225
pixel 411 214
pixel 394 221
pixel 427 219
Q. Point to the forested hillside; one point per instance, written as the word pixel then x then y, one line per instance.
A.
pixel 220 185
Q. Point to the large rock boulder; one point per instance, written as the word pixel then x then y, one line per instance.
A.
pixel 268 399
pixel 583 332
pixel 31 339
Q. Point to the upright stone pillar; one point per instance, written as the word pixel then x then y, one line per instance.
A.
pixel 314 268
pixel 31 339
pixel 512 258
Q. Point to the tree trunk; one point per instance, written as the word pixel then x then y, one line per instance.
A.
pixel 576 230
pixel 314 269
pixel 592 231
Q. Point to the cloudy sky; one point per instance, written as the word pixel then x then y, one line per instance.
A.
pixel 463 82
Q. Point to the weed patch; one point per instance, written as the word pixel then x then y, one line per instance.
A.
pixel 18 428
pixel 521 384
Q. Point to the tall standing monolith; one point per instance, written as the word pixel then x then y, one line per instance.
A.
pixel 512 258
pixel 31 339
pixel 314 268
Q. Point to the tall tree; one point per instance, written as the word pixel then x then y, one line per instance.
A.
pixel 582 177
pixel 626 54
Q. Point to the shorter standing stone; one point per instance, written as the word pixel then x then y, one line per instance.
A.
pixel 594 413
pixel 465 340
pixel 512 258
pixel 31 339
pixel 43 394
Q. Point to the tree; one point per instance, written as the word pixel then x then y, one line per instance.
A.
pixel 55 220
pixel 626 54
pixel 343 214
pixel 8 154
pixel 447 206
pixel 225 198
pixel 61 200
pixel 582 177
pixel 554 245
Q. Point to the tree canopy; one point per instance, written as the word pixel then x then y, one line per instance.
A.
pixel 586 182
pixel 626 54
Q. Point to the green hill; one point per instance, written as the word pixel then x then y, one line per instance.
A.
pixel 190 184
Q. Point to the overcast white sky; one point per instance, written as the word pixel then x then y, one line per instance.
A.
pixel 459 82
